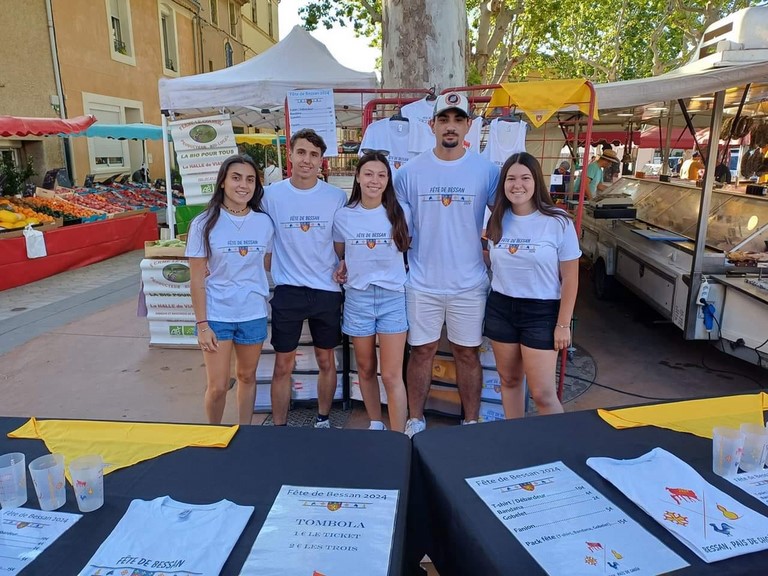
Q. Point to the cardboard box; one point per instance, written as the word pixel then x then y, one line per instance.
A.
pixel 151 250
pixel 57 223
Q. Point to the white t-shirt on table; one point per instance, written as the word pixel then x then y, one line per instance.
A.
pixel 504 139
pixel 447 200
pixel 389 135
pixel 169 537
pixel 526 260
pixel 419 113
pixel 303 252
pixel 236 288
pixel 371 254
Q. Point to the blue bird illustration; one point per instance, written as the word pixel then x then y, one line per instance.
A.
pixel 614 565
pixel 723 529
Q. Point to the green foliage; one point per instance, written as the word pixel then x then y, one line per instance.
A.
pixel 14 178
pixel 518 39
pixel 258 152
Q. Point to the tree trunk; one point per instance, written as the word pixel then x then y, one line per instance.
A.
pixel 424 43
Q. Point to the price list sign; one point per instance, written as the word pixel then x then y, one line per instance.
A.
pixel 568 526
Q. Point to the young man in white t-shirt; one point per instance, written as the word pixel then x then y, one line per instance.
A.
pixel 302 209
pixel 447 190
pixel 272 173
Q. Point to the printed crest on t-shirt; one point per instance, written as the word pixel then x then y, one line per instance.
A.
pixel 515 245
pixel 304 223
pixel 447 195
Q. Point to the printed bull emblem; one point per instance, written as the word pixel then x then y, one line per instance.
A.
pixel 371 243
pixel 446 199
pixel 683 494
pixel 242 250
pixel 513 248
pixel 304 226
pixel 333 506
pixel 594 546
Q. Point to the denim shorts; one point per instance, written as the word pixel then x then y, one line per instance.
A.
pixel 523 321
pixel 374 310
pixel 248 332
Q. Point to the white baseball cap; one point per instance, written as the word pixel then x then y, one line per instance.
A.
pixel 451 101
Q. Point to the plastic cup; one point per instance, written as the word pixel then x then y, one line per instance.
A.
pixel 755 447
pixel 48 477
pixel 87 473
pixel 727 446
pixel 13 480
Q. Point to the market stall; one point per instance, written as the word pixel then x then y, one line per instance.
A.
pixel 675 243
pixel 80 226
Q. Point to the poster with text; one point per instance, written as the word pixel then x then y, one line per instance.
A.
pixel 325 532
pixel 314 109
pixel 25 534
pixel 201 145
pixel 568 526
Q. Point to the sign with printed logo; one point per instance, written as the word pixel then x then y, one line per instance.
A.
pixel 201 145
pixel 314 109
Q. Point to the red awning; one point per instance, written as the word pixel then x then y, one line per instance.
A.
pixel 17 126
pixel 681 138
pixel 618 137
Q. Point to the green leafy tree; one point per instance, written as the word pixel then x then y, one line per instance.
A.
pixel 516 39
pixel 13 178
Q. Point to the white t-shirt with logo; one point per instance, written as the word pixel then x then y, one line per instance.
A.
pixel 162 536
pixel 472 139
pixel 236 288
pixel 303 253
pixel 389 135
pixel 371 254
pixel 526 261
pixel 504 139
pixel 419 113
pixel 447 200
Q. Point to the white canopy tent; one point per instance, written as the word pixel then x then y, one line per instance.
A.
pixel 254 91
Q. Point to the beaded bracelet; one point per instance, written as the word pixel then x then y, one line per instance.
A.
pixel 562 325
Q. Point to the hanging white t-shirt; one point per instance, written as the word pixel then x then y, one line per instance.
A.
pixel 162 536
pixel 391 136
pixel 272 174
pixel 303 219
pixel 707 520
pixel 371 254
pixel 526 260
pixel 472 139
pixel 447 200
pixel 236 288
pixel 419 113
pixel 504 139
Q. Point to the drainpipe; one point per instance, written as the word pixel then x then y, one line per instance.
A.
pixel 59 88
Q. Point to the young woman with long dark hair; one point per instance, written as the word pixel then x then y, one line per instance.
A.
pixel 229 248
pixel 534 255
pixel 370 236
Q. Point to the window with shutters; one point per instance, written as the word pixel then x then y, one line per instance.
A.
pixel 168 40
pixel 107 155
pixel 120 31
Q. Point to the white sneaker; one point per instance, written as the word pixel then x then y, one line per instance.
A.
pixel 323 424
pixel 377 425
pixel 468 422
pixel 414 426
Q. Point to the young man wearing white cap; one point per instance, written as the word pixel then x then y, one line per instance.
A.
pixel 447 190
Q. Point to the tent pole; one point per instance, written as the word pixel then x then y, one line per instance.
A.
pixel 691 310
pixel 170 217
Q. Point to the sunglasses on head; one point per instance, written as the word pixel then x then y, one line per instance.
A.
pixel 374 151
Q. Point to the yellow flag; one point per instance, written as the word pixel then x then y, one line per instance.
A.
pixel 540 100
pixel 121 444
pixel 697 417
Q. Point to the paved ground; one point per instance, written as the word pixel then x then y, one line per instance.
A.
pixel 72 346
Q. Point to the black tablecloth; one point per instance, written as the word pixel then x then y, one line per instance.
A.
pixel 258 461
pixel 462 536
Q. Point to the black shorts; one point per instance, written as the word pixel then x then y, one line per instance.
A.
pixel 521 321
pixel 291 305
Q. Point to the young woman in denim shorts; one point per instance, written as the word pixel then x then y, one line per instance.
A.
pixel 370 236
pixel 229 247
pixel 534 255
